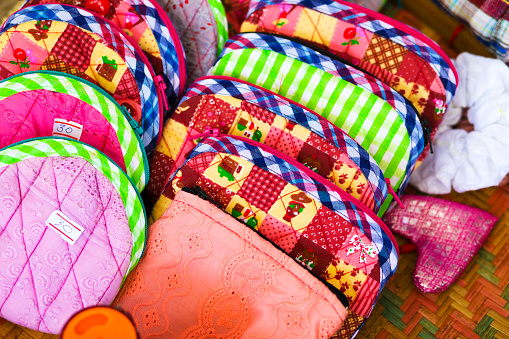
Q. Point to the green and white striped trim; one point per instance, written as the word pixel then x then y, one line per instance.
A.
pixel 371 121
pixel 221 23
pixel 132 150
pixel 51 147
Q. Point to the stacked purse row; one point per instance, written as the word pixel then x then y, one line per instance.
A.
pixel 85 88
pixel 306 129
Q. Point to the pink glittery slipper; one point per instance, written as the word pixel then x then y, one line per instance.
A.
pixel 447 235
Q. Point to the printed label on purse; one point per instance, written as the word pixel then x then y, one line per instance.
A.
pixel 68 230
pixel 69 129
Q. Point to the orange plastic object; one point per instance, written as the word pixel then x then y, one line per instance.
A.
pixel 99 322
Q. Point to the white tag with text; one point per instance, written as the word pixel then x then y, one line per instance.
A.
pixel 68 229
pixel 69 129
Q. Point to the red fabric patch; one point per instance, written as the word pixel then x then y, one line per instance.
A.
pixel 75 47
pixel 258 112
pixel 261 188
pixel 279 233
pixel 328 230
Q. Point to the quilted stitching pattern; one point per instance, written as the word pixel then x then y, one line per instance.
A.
pixel 129 142
pixel 67 148
pixel 46 280
pixel 298 114
pixel 88 21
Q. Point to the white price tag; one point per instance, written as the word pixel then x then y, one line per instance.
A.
pixel 68 230
pixel 69 129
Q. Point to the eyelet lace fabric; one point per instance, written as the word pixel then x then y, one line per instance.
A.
pixel 45 280
pixel 207 275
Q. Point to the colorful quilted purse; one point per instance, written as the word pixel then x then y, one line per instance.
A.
pixel 205 273
pixel 147 24
pixel 397 54
pixel 229 106
pixel 318 224
pixel 44 104
pixel 75 41
pixel 365 117
pixel 203 30
pixel 72 226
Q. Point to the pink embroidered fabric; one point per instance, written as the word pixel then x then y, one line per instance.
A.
pixel 447 235
pixel 204 274
pixel 31 114
pixel 44 280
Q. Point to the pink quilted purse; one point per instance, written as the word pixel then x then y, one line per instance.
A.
pixel 206 274
pixel 447 236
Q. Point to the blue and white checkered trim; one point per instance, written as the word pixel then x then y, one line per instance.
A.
pixel 387 253
pixel 167 47
pixel 298 114
pixel 302 53
pixel 386 30
pixel 93 23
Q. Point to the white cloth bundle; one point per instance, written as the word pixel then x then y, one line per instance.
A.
pixel 470 161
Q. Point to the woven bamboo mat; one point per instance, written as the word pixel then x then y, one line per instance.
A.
pixel 477 305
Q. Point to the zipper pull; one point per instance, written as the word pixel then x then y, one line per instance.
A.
pixel 394 195
pixel 133 123
pixel 426 127
pixel 196 190
pixel 162 87
pixel 209 132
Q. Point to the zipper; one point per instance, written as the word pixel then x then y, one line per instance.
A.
pixel 343 61
pixel 394 195
pixel 178 44
pixel 322 181
pixel 109 159
pixel 137 49
pixel 162 86
pixel 133 123
pixel 404 28
pixel 196 190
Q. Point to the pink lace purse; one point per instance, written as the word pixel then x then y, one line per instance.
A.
pixel 206 274
pixel 447 235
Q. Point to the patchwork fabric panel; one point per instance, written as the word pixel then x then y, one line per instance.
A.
pixel 371 121
pixel 162 165
pixel 102 44
pixel 429 83
pixel 141 26
pixel 314 224
pixel 383 26
pixel 46 279
pixel 127 18
pixel 236 117
pixel 31 103
pixel 202 30
pixel 302 53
